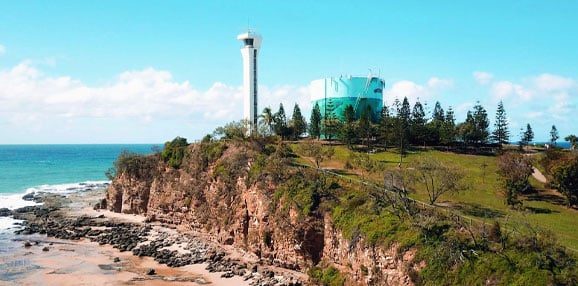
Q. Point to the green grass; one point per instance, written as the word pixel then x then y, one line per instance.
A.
pixel 483 200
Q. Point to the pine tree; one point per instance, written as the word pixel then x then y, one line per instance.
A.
pixel 418 133
pixel 298 124
pixel 554 136
pixel 435 127
pixel 385 127
pixel 438 113
pixel 365 126
pixel 448 130
pixel 404 112
pixel 481 124
pixel 315 122
pixel 527 136
pixel 330 125
pixel 475 128
pixel 400 124
pixel 280 125
pixel 501 134
pixel 404 115
pixel 347 131
pixel 467 129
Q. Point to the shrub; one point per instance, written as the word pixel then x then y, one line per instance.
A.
pixel 137 165
pixel 565 175
pixel 174 151
pixel 514 169
pixel 236 130
pixel 328 277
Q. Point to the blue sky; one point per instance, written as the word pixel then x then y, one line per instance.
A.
pixel 134 71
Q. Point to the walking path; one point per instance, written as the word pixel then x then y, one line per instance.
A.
pixel 539 176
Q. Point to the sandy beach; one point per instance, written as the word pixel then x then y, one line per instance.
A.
pixel 52 261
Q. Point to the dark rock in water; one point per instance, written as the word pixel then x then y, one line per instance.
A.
pixel 150 271
pixel 100 205
pixel 45 248
pixel 27 209
pixel 116 259
pixel 105 267
pixel 27 244
pixel 29 197
pixel 5 212
pixel 268 274
pixel 227 275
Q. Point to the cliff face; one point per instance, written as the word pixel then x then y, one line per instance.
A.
pixel 215 195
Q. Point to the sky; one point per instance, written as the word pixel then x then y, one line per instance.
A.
pixel 148 71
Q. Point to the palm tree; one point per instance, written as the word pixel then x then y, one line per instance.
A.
pixel 267 119
pixel 573 140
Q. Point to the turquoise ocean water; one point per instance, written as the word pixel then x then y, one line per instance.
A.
pixel 55 168
pixel 49 168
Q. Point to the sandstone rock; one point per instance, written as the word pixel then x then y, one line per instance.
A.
pixel 227 275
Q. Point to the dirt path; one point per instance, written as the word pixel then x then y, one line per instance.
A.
pixel 539 176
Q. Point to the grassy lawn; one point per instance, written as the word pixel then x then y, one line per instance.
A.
pixel 483 200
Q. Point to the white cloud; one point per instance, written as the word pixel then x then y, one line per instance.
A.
pixel 534 114
pixel 550 82
pixel 483 78
pixel 561 105
pixel 288 95
pixel 2 50
pixel 414 91
pixel 504 89
pixel 462 108
pixel 550 98
pixel 27 94
pixel 439 83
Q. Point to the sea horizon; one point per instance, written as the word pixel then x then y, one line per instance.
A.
pixel 57 168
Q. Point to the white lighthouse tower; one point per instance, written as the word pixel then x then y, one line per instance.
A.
pixel 249 51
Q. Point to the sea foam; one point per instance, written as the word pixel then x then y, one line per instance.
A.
pixel 15 201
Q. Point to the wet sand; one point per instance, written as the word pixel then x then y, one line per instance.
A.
pixel 83 262
pixel 87 263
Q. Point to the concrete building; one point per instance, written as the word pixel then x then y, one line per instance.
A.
pixel 249 51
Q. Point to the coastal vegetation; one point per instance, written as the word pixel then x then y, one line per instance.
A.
pixel 174 151
pixel 455 195
pixel 464 235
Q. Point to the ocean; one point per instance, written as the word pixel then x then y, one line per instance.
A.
pixel 54 168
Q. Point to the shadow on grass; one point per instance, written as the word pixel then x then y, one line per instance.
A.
pixel 478 210
pixel 339 171
pixel 536 210
pixel 546 197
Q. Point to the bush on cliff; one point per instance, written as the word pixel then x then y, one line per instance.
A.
pixel 329 276
pixel 136 165
pixel 236 130
pixel 174 151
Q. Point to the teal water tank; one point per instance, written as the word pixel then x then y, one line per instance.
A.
pixel 334 94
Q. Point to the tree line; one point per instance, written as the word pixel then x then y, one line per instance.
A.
pixel 400 126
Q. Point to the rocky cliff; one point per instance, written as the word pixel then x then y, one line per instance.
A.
pixel 232 193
